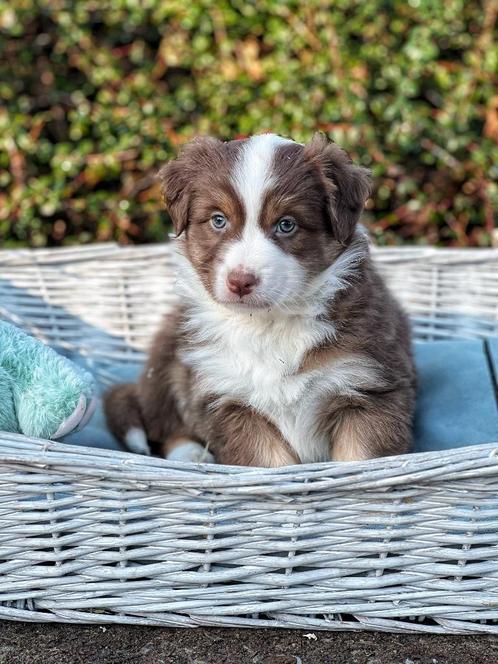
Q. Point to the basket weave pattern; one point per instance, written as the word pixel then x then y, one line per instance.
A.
pixel 400 544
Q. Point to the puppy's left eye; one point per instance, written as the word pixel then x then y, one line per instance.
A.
pixel 218 221
pixel 286 225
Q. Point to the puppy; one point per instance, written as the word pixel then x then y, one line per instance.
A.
pixel 286 346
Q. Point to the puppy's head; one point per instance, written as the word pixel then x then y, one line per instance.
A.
pixel 261 218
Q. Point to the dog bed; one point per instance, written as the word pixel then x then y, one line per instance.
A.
pixel 404 543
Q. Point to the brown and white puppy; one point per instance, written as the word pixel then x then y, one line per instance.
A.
pixel 286 346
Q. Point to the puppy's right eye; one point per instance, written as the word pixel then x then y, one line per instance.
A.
pixel 218 221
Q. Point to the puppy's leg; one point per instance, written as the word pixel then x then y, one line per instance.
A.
pixel 184 448
pixel 361 433
pixel 139 428
pixel 124 417
pixel 245 438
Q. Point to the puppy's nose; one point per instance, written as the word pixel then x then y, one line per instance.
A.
pixel 240 282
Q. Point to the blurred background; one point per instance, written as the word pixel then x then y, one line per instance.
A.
pixel 95 95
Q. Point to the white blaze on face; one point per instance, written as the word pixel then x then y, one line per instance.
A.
pixel 279 274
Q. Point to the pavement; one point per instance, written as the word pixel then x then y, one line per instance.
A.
pixel 30 643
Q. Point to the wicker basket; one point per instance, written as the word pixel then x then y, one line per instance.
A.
pixel 406 543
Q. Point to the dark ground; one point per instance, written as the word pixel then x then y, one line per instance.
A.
pixel 27 643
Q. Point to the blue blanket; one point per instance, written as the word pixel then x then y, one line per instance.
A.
pixel 456 403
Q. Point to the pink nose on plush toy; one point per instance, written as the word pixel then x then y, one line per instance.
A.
pixel 79 418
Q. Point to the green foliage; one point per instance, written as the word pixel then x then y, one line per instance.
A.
pixel 94 96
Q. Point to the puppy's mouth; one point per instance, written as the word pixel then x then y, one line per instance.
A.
pixel 242 290
pixel 245 302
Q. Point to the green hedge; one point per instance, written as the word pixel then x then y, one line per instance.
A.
pixel 95 95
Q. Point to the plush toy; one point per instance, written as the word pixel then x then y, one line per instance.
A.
pixel 42 394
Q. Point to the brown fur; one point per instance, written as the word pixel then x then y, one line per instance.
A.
pixel 233 426
pixel 121 404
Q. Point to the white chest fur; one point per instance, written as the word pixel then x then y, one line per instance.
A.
pixel 255 360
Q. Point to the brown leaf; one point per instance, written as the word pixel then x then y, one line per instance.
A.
pixel 248 57
pixel 491 124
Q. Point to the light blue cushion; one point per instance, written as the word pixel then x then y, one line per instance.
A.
pixel 492 353
pixel 456 403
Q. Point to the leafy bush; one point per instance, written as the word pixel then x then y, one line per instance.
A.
pixel 95 95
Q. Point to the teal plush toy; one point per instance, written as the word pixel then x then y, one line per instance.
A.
pixel 42 394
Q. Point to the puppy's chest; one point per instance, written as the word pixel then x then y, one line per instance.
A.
pixel 262 371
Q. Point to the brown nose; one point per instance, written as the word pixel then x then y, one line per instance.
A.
pixel 240 282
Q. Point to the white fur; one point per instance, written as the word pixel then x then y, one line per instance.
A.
pixel 136 441
pixel 279 274
pixel 253 356
pixel 254 173
pixel 192 452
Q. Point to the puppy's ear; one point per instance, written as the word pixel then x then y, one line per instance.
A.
pixel 178 177
pixel 175 180
pixel 347 186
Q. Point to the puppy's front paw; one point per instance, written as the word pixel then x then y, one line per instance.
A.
pixel 190 451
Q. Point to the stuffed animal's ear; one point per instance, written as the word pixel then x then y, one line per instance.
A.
pixel 347 186
pixel 178 177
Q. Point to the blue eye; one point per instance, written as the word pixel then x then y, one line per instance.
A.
pixel 286 225
pixel 218 221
